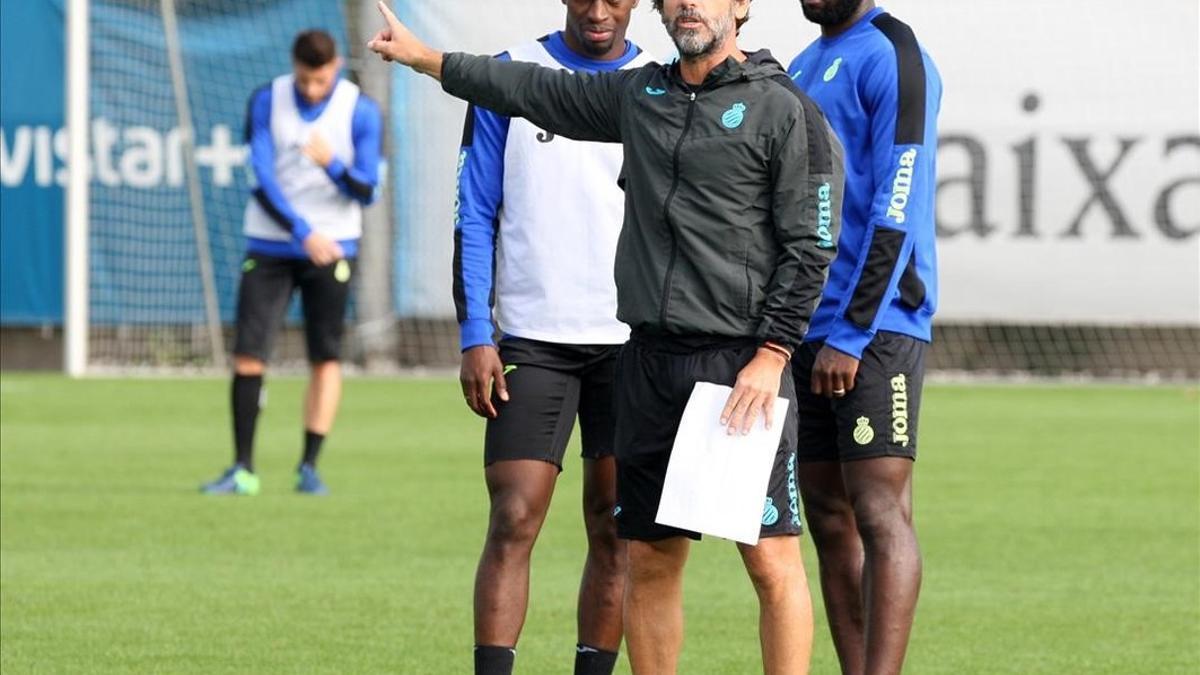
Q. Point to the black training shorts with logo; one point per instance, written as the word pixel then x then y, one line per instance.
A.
pixel 263 295
pixel 548 385
pixel 878 417
pixel 655 378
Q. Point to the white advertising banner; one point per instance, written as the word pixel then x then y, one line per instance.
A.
pixel 1069 165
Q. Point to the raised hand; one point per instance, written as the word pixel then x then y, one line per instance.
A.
pixel 396 43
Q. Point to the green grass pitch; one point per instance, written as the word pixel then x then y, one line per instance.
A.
pixel 1060 527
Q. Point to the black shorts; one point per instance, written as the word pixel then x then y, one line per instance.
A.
pixel 878 418
pixel 655 377
pixel 263 296
pixel 548 385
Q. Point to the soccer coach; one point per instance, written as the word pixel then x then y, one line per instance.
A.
pixel 727 172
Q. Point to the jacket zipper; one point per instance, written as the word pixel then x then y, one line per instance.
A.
pixel 666 294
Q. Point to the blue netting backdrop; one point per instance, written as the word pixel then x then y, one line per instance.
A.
pixel 144 269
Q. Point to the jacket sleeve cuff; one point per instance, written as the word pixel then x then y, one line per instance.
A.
pixel 769 330
pixel 848 338
pixel 475 332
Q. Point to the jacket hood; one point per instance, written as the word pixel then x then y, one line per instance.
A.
pixel 765 61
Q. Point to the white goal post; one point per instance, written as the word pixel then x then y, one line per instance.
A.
pixel 75 302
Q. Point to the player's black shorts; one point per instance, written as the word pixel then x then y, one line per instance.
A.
pixel 655 377
pixel 263 296
pixel 548 385
pixel 878 418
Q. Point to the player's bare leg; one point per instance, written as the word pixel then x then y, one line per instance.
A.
pixel 785 621
pixel 654 604
pixel 881 491
pixel 248 365
pixel 323 396
pixel 520 492
pixel 830 518
pixel 320 408
pixel 602 588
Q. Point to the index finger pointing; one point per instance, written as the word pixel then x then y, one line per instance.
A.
pixel 387 13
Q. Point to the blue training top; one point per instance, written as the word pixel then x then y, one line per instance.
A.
pixel 881 93
pixel 357 181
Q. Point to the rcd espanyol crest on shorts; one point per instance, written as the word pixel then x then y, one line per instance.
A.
pixel 863 433
pixel 733 117
pixel 770 513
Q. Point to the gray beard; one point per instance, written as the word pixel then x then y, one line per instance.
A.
pixel 691 43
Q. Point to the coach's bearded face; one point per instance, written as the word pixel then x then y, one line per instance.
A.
pixel 696 34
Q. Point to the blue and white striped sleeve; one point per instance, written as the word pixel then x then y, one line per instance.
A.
pixel 476 215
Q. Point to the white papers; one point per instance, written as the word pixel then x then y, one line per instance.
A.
pixel 717 483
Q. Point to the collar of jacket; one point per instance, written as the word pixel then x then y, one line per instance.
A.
pixel 757 65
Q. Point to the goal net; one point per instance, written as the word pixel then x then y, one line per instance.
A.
pixel 169 85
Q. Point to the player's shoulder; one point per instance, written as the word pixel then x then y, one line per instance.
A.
pixel 529 50
pixel 258 110
pixel 805 54
pixel 640 58
pixel 891 52
pixel 366 104
pixel 258 105
pixel 892 41
pixel 890 30
pixel 262 93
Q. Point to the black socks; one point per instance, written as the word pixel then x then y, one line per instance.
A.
pixel 494 660
pixel 247 390
pixel 245 398
pixel 593 661
pixel 312 448
pixel 499 660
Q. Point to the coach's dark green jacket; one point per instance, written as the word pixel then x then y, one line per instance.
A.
pixel 732 189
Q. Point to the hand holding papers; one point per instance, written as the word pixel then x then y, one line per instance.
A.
pixel 716 482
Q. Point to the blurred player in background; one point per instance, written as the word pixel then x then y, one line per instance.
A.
pixel 721 259
pixel 315 144
pixel 860 371
pixel 542 214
